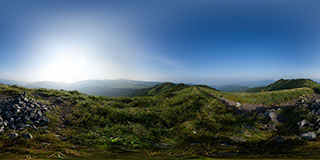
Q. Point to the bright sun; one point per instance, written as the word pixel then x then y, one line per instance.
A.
pixel 67 68
pixel 67 64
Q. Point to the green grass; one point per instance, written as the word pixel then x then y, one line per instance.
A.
pixel 264 98
pixel 168 120
pixel 284 84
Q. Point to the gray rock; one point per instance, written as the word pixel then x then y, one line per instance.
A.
pixel 238 104
pixel 302 99
pixel 309 135
pixel 279 139
pixel 271 127
pixel 273 116
pixel 237 139
pixel 11 121
pixel 46 120
pixel 303 123
pixel 27 136
pixel 21 112
pixel 13 135
pixel 225 144
pixel 162 145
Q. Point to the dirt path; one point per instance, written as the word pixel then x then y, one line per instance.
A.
pixel 259 107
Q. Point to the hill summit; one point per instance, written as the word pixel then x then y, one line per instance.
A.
pixel 288 84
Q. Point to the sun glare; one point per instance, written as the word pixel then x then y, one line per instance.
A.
pixel 65 64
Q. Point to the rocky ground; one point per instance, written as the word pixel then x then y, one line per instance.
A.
pixel 21 112
pixel 23 117
pixel 273 113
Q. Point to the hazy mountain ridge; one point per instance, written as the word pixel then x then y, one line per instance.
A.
pixel 110 88
pixel 125 87
pixel 242 86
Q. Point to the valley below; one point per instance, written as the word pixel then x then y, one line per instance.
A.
pixel 166 121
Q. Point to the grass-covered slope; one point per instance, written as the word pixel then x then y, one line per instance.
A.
pixel 264 98
pixel 169 119
pixel 160 89
pixel 287 84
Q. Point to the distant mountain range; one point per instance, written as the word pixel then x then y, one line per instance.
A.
pixel 242 86
pixel 125 87
pixel 110 88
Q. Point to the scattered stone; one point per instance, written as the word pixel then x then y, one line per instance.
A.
pixel 27 136
pixel 273 116
pixel 59 100
pixel 238 104
pixel 318 131
pixel 271 126
pixel 279 139
pixel 225 144
pixel 162 145
pixel 13 135
pixel 303 123
pixel 237 139
pixel 21 112
pixel 309 135
pixel 46 143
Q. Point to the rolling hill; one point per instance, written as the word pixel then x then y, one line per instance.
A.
pixel 109 88
pixel 287 84
pixel 168 119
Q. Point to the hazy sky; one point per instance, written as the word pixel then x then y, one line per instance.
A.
pixel 196 41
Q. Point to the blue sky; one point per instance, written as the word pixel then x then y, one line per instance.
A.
pixel 192 41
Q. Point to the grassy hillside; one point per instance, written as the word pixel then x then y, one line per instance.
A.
pixel 160 89
pixel 169 119
pixel 264 98
pixel 288 84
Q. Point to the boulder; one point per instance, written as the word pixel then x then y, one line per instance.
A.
pixel 303 123
pixel 238 104
pixel 13 135
pixel 309 135
pixel 27 136
pixel 273 116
